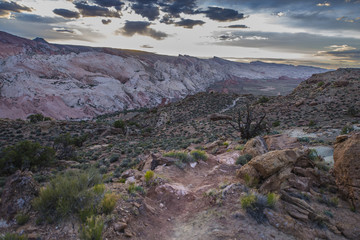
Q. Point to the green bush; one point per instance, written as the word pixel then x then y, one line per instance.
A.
pixel 263 99
pixel 250 181
pixel 25 155
pixel 320 84
pixel 109 202
pixel 12 236
pixel 272 199
pixel 248 201
pixel 149 175
pixel 69 194
pixel 347 129
pixel 244 159
pixel 199 155
pixel 276 123
pixel 182 156
pixel 21 219
pixel 132 189
pixel 119 124
pixel 312 123
pixel 34 118
pixel 92 229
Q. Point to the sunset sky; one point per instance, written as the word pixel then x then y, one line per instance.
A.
pixel 307 32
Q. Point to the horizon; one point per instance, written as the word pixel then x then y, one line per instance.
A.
pixel 314 33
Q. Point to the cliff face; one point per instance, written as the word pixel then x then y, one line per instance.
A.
pixel 78 82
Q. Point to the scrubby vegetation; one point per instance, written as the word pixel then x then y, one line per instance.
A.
pixel 13 236
pixel 25 155
pixel 92 229
pixel 34 118
pixel 243 159
pixel 71 193
pixel 199 155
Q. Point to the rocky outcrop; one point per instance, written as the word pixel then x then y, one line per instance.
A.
pixel 347 167
pixel 255 147
pixel 19 191
pixel 280 142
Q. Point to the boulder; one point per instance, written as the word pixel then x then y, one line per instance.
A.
pixel 19 191
pixel 272 162
pixel 347 167
pixel 255 147
pixel 280 142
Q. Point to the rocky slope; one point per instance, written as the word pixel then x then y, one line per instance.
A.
pixel 78 82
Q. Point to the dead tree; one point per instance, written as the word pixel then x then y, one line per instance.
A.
pixel 249 123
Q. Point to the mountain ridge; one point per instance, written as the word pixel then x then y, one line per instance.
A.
pixel 79 82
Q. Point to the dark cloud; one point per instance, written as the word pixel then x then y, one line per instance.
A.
pixel 106 21
pixel 167 19
pixel 146 46
pixel 7 7
pixel 237 26
pixel 223 14
pixel 352 54
pixel 95 11
pixel 63 30
pixel 149 11
pixel 24 17
pixel 139 27
pixel 175 7
pixel 110 3
pixel 66 13
pixel 189 23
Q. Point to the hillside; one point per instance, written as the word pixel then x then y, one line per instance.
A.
pixel 78 82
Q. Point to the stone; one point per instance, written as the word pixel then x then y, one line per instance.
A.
pixel 19 191
pixel 120 226
pixel 255 147
pixel 281 142
pixel 271 162
pixel 347 167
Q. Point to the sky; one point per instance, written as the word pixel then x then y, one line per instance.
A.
pixel 301 32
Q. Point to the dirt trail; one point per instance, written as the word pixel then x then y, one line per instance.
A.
pixel 197 203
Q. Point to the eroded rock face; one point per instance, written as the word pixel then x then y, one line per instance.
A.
pixel 19 191
pixel 347 167
pixel 280 142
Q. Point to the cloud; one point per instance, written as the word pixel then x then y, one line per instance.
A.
pixel 344 52
pixel 146 46
pixel 149 11
pixel 66 13
pixel 189 23
pixel 175 7
pixel 64 30
pixel 106 21
pixel 95 11
pixel 294 42
pixel 142 28
pixel 325 4
pixel 7 7
pixel 237 26
pixel 223 14
pixel 25 17
pixel 110 3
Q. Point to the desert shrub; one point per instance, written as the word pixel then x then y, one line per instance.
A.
pixel 182 156
pixel 132 189
pixel 199 155
pixel 250 181
pixel 239 147
pixel 330 202
pixel 318 160
pixel 114 158
pixel 149 175
pixel 276 123
pixel 244 159
pixel 65 145
pixel 320 84
pixel 25 155
pixel 312 123
pixel 272 199
pixel 92 229
pixel 263 99
pixel 255 203
pixel 347 129
pixel 108 203
pixel 352 111
pixel 34 118
pixel 12 236
pixel 119 124
pixel 69 193
pixel 21 219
